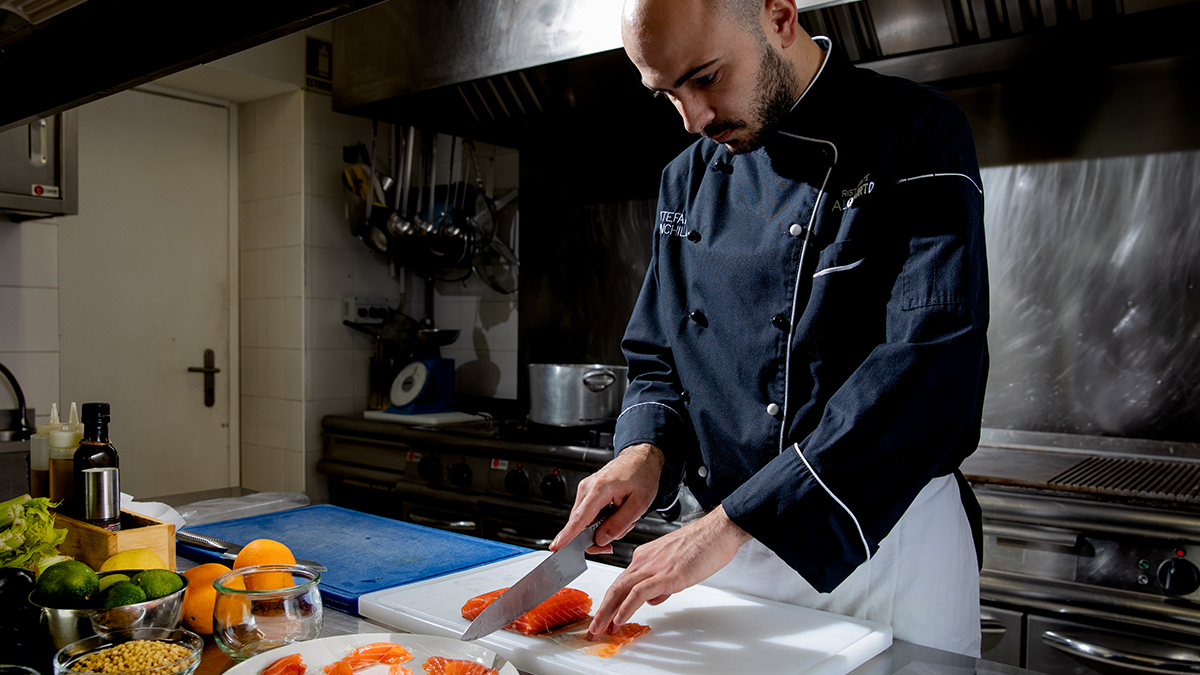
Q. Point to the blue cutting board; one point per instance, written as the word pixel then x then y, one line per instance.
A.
pixel 363 552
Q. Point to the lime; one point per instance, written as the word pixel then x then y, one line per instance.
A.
pixel 122 593
pixel 158 583
pixel 67 584
pixel 110 579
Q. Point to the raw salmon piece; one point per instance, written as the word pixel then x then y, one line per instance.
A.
pixel 397 654
pixel 288 665
pixel 563 607
pixel 367 656
pixel 607 645
pixel 440 665
pixel 397 669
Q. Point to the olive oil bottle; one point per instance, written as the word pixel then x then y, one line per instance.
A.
pixel 94 451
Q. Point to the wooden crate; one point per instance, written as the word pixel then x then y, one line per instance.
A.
pixel 93 545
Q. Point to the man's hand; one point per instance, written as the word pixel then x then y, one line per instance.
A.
pixel 630 481
pixel 668 565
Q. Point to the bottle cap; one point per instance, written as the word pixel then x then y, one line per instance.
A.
pixel 45 429
pixel 65 439
pixel 73 424
pixel 101 493
pixel 95 412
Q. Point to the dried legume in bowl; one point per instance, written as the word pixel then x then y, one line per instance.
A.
pixel 141 651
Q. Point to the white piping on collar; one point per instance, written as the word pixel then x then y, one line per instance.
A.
pixel 826 46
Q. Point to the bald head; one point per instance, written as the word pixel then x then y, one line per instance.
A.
pixel 732 68
pixel 745 14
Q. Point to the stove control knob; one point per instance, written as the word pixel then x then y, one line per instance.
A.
pixel 459 474
pixel 1178 577
pixel 554 487
pixel 430 468
pixel 517 482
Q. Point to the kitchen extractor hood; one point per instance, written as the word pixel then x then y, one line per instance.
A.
pixel 491 68
pixel 50 62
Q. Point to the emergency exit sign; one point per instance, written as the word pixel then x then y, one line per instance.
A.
pixel 318 66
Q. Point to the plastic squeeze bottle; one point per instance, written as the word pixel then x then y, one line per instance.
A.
pixel 63 442
pixel 39 456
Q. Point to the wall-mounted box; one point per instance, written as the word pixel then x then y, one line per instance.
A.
pixel 38 168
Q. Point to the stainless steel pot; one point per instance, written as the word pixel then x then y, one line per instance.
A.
pixel 571 395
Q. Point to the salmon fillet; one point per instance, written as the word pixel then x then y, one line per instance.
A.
pixel 563 607
pixel 367 656
pixel 440 665
pixel 288 665
pixel 606 645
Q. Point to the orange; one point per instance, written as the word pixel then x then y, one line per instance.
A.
pixel 265 552
pixel 200 597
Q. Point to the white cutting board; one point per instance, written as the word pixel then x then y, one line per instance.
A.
pixel 698 631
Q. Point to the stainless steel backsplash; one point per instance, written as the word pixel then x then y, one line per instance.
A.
pixel 1095 325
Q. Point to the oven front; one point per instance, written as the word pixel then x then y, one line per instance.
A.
pixel 1076 586
pixel 515 492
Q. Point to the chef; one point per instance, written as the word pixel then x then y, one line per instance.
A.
pixel 807 354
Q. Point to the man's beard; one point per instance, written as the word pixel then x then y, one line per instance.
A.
pixel 777 88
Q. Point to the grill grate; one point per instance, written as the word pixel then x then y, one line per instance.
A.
pixel 1148 478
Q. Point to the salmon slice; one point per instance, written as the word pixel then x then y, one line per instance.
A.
pixel 288 665
pixel 397 669
pixel 440 665
pixel 367 656
pixel 606 645
pixel 563 607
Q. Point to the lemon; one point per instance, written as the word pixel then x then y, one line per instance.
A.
pixel 134 559
pixel 67 584
pixel 110 579
pixel 122 593
pixel 158 583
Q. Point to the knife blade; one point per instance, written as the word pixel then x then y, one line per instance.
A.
pixel 229 550
pixel 548 578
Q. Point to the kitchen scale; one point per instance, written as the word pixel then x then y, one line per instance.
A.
pixel 423 386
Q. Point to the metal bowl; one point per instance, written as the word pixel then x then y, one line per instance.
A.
pixel 70 625
pixel 66 659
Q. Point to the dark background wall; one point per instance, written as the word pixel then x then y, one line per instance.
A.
pixel 589 184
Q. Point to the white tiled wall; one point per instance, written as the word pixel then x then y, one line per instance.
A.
pixel 337 265
pixel 485 354
pixel 299 261
pixel 29 312
pixel 271 232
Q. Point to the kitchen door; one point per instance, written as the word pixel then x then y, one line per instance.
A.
pixel 144 288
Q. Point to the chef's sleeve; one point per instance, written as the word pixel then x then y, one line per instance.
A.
pixel 911 410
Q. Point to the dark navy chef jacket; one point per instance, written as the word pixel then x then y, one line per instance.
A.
pixel 809 346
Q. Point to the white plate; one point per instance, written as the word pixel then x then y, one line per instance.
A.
pixel 321 652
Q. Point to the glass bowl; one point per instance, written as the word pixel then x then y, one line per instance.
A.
pixel 69 625
pixel 253 614
pixel 66 661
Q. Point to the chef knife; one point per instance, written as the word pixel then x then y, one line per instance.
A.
pixel 548 578
pixel 229 550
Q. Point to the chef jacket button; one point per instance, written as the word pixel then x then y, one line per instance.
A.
pixel 772 410
pixel 796 229
pixel 693 236
pixel 699 318
pixel 702 471
pixel 780 321
pixel 686 397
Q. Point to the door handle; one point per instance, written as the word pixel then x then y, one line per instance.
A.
pixel 210 379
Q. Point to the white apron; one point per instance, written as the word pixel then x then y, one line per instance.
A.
pixel 923 581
